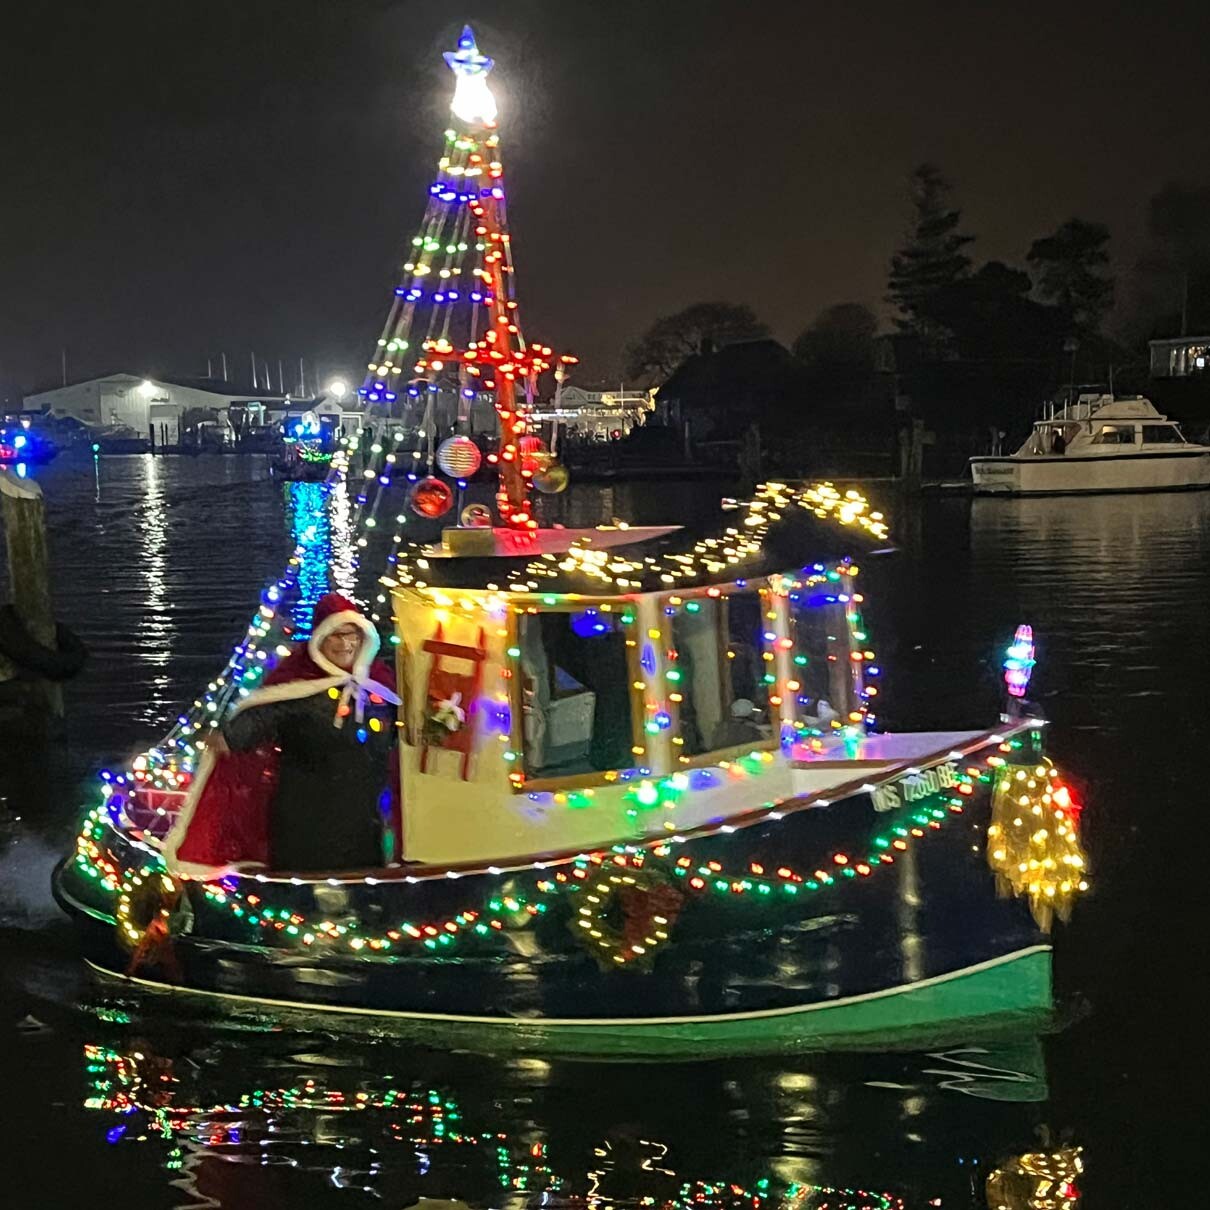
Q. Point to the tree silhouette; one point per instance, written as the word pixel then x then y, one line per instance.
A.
pixel 841 335
pixel 932 258
pixel 1177 266
pixel 1068 271
pixel 701 327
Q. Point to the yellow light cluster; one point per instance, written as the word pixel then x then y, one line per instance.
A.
pixel 714 556
pixel 1032 843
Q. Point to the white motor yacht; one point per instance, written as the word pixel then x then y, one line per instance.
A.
pixel 1099 443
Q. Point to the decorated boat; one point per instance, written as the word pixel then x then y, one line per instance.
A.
pixel 308 442
pixel 637 795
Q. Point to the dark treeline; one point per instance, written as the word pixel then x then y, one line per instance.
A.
pixel 973 349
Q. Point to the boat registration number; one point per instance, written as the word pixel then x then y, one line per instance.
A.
pixel 915 786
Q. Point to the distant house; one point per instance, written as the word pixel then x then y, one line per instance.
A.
pixel 720 393
pixel 153 407
pixel 596 413
pixel 1180 357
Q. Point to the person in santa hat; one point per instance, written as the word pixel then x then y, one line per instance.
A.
pixel 298 778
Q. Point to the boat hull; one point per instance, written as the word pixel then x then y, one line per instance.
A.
pixel 1085 474
pixel 921 944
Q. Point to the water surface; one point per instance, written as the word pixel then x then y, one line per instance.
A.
pixel 158 563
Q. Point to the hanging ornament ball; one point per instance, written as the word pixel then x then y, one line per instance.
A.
pixel 530 444
pixel 431 498
pixel 459 457
pixel 535 461
pixel 552 479
pixel 476 516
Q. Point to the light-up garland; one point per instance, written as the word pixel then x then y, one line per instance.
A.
pixel 716 556
pixel 429 1121
pixel 599 873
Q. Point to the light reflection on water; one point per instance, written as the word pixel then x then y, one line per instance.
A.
pixel 157 567
pixel 336 1120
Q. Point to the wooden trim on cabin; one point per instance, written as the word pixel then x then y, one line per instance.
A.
pixel 735 752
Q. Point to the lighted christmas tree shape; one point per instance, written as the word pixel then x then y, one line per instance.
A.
pixel 454 323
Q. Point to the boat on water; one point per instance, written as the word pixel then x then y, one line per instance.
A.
pixel 1099 443
pixel 639 801
pixel 308 443
pixel 661 822
pixel 22 444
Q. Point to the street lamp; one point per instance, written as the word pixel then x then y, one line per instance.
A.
pixel 338 389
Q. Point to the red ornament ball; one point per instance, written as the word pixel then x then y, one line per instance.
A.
pixel 459 457
pixel 431 498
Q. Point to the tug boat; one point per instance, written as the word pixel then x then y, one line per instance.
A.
pixel 662 824
pixel 643 805
pixel 1099 443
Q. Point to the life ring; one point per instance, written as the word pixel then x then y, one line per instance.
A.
pixel 32 658
pixel 627 914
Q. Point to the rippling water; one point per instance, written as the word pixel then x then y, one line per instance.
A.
pixel 158 563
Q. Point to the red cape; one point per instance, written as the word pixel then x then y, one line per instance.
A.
pixel 230 821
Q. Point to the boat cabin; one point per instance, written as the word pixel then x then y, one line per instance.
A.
pixel 539 720
pixel 1099 425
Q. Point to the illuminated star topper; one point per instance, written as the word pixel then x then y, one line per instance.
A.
pixel 473 100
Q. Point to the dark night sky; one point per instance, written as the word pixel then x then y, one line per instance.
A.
pixel 180 179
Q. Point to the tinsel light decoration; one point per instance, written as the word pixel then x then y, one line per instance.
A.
pixel 1033 845
pixel 1040 1180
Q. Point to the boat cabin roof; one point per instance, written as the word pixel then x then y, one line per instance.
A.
pixel 751 543
pixel 1106 408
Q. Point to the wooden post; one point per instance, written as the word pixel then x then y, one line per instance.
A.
pixel 24 517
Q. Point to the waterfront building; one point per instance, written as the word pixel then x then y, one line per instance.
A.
pixel 1180 356
pixel 596 415
pixel 155 407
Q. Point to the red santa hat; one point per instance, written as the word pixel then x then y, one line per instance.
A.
pixel 332 612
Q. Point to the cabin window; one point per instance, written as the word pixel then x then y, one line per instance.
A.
pixel 1162 434
pixel 1114 434
pixel 823 668
pixel 724 678
pixel 575 693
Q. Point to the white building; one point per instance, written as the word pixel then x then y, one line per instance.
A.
pixel 152 407
pixel 597 413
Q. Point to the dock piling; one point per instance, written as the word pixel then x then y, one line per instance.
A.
pixel 23 517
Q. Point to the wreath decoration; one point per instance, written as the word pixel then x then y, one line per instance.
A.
pixel 147 917
pixel 627 914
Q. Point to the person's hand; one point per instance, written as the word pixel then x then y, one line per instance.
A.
pixel 216 743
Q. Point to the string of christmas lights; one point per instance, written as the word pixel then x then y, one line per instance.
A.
pixel 597 876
